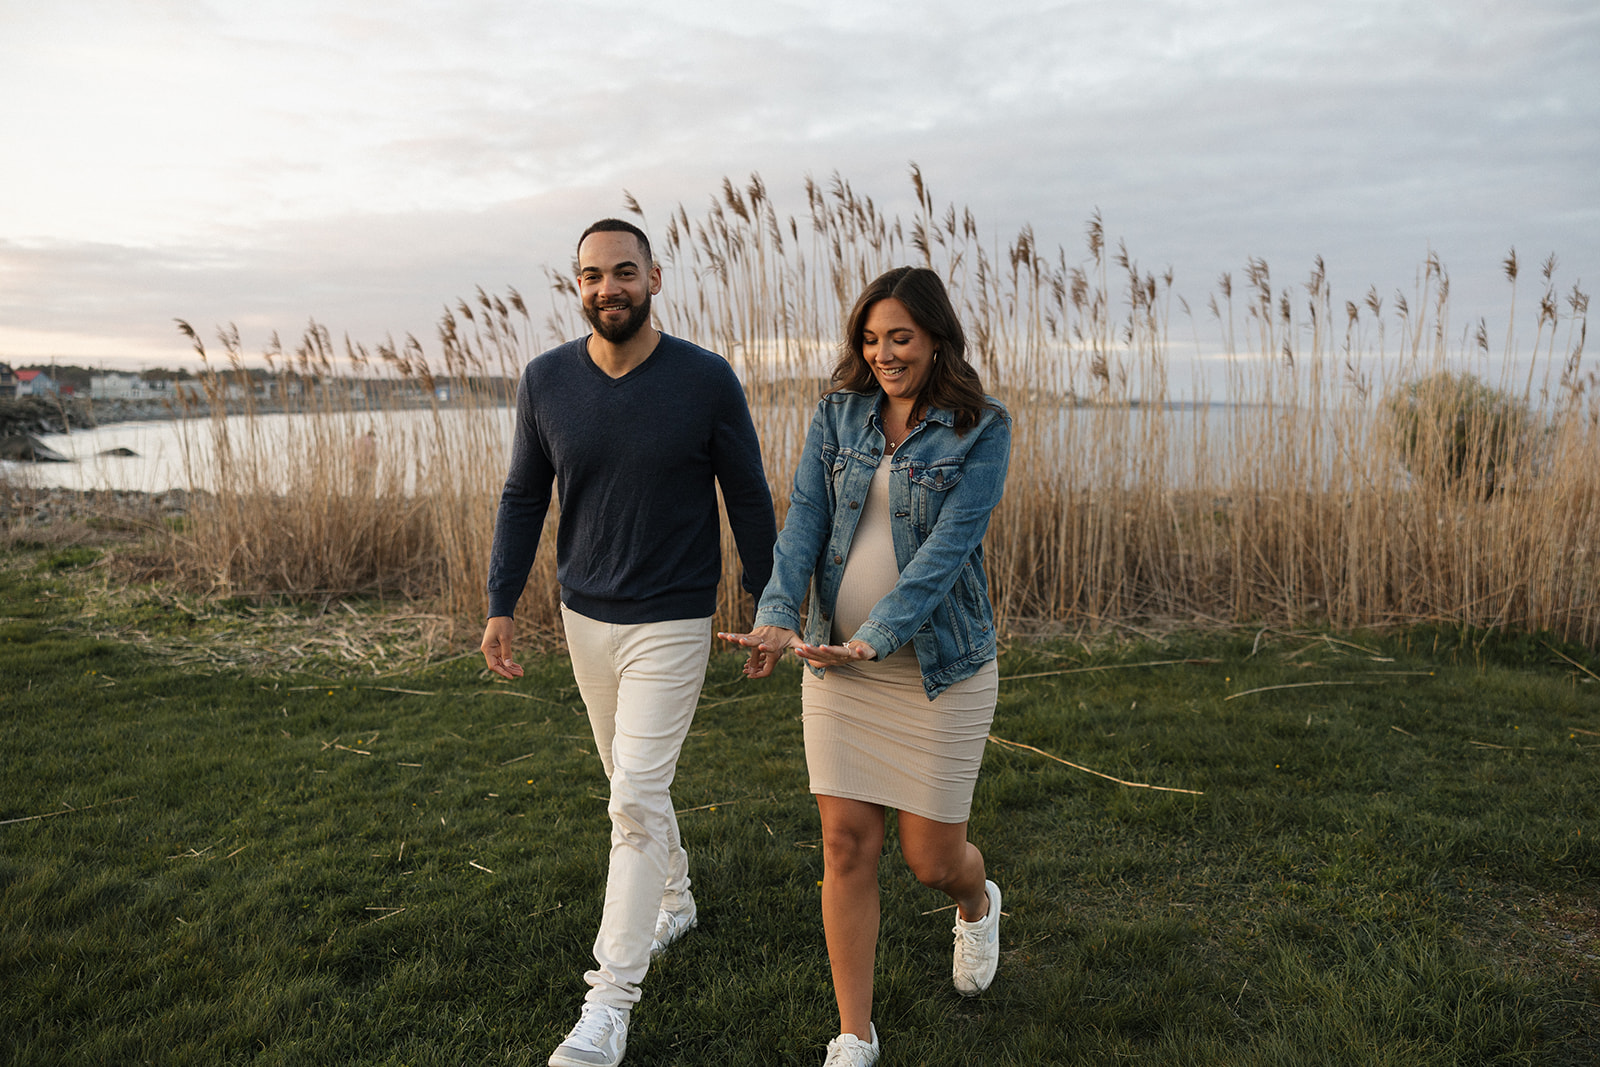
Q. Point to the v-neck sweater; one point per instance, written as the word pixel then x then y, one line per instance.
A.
pixel 636 462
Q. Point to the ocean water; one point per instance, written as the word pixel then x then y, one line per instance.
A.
pixel 179 453
pixel 1198 442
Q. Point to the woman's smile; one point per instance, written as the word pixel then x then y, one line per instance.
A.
pixel 899 351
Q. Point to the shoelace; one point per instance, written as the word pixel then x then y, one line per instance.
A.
pixel 593 1024
pixel 971 934
pixel 668 924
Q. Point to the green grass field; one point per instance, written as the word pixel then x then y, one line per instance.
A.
pixel 1391 859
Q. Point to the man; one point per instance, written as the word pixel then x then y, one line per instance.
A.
pixel 637 429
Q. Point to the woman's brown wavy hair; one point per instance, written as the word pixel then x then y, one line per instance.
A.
pixel 954 384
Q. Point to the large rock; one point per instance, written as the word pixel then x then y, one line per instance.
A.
pixel 42 414
pixel 26 448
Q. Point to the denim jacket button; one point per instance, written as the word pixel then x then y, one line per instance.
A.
pixel 838 559
pixel 854 505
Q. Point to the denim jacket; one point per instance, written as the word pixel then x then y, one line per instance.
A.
pixel 942 489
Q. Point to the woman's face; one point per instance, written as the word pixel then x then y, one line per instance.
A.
pixel 899 351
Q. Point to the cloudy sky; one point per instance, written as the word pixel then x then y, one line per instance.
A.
pixel 268 161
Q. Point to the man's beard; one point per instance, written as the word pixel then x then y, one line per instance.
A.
pixel 622 332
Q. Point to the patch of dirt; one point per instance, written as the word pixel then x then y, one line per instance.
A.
pixel 1552 937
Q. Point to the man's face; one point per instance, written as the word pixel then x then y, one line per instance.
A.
pixel 615 284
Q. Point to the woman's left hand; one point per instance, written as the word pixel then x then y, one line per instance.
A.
pixel 835 655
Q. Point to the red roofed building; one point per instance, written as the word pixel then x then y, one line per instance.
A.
pixel 35 383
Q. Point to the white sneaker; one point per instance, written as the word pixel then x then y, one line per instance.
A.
pixel 848 1050
pixel 599 1039
pixel 672 925
pixel 978 948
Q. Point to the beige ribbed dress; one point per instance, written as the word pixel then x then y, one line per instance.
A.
pixel 871 732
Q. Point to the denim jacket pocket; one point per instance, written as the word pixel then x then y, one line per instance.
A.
pixel 929 485
pixel 970 598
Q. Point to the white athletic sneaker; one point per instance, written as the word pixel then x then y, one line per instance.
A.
pixel 978 948
pixel 672 925
pixel 599 1039
pixel 848 1050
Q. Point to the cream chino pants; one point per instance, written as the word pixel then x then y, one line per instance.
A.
pixel 641 684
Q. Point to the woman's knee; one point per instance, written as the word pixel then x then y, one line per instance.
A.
pixel 935 871
pixel 940 860
pixel 851 844
pixel 845 850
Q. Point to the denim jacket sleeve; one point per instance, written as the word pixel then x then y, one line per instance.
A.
pixel 951 544
pixel 805 530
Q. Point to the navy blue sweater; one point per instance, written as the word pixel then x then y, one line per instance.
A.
pixel 636 461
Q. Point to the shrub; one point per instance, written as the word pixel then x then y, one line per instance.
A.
pixel 1458 434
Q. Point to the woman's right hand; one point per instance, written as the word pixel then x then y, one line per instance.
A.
pixel 767 645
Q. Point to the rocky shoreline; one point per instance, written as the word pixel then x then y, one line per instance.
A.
pixel 49 507
pixel 48 414
pixel 23 419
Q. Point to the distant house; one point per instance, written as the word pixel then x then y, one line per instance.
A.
pixel 194 389
pixel 276 388
pixel 8 382
pixel 128 387
pixel 36 383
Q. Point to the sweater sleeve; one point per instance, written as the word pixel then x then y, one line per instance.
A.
pixel 523 503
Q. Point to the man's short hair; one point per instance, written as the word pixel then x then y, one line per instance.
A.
pixel 620 226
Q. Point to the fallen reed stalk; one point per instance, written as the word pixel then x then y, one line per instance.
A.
pixel 66 811
pixel 1105 667
pixel 1291 685
pixel 1088 770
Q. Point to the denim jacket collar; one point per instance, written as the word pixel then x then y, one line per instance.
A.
pixel 874 415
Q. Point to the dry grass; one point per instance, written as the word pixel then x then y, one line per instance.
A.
pixel 1285 503
pixel 278 640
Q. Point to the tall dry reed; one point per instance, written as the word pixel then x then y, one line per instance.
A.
pixel 1282 501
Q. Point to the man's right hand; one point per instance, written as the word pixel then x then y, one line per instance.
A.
pixel 497 639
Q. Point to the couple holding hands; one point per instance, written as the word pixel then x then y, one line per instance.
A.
pixel 903 463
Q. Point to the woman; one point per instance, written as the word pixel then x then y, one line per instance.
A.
pixel 904 461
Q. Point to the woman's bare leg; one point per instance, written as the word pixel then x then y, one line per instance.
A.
pixel 942 858
pixel 852 841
